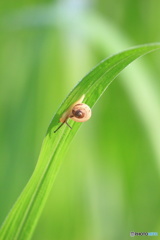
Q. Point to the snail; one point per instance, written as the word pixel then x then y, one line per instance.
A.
pixel 78 112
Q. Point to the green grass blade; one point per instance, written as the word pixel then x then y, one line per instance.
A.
pixel 23 217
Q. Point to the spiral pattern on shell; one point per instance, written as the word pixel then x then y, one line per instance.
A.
pixel 80 112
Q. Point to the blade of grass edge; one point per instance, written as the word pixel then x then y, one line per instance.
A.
pixel 24 215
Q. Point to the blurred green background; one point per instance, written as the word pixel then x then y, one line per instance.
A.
pixel 109 182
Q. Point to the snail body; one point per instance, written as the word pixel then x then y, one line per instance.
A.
pixel 78 112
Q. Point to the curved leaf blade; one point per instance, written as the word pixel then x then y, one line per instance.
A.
pixel 24 215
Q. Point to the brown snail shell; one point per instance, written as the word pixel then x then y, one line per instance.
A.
pixel 78 112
